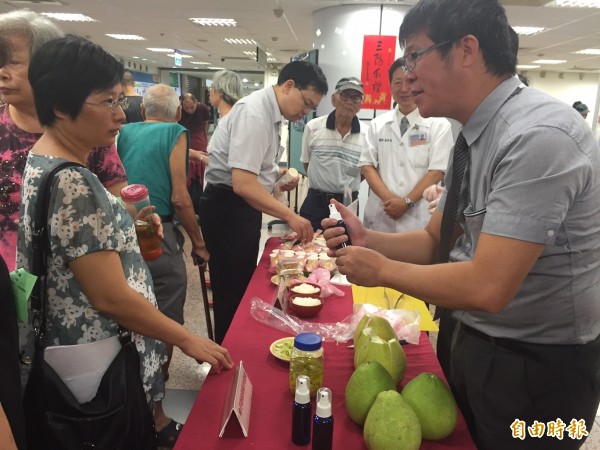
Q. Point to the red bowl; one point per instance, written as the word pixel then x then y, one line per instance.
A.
pixel 316 293
pixel 304 310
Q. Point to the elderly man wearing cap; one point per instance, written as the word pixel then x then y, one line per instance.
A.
pixel 581 108
pixel 404 154
pixel 331 148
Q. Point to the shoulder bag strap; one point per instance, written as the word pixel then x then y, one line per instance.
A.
pixel 41 249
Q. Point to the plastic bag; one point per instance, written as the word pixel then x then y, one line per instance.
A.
pixel 322 277
pixel 276 318
pixel 405 323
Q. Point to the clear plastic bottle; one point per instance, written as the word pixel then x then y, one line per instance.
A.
pixel 307 359
pixel 149 242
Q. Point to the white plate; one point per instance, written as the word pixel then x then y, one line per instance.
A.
pixel 282 348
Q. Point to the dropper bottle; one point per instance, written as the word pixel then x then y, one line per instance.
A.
pixel 323 421
pixel 335 214
pixel 302 412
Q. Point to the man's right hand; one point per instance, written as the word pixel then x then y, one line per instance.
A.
pixel 334 235
pixel 302 227
pixel 200 255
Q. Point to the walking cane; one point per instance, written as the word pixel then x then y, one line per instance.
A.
pixel 206 307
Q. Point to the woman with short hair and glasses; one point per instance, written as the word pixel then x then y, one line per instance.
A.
pixel 97 277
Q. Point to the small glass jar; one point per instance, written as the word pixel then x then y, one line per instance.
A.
pixel 136 195
pixel 307 359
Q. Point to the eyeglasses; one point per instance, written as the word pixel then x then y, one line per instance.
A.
pixel 346 96
pixel 113 106
pixel 410 60
pixel 309 107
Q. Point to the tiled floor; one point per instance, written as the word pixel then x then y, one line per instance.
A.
pixel 184 382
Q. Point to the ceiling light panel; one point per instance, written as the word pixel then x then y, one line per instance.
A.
pixel 127 37
pixel 161 50
pixel 180 55
pixel 589 51
pixel 527 66
pixel 200 63
pixel 67 17
pixel 549 61
pixel 527 31
pixel 206 22
pixel 574 4
pixel 216 68
pixel 240 41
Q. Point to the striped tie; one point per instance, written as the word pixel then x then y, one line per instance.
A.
pixel 459 162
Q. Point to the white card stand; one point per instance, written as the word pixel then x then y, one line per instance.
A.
pixel 238 401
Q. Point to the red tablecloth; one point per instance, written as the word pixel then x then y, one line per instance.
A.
pixel 270 422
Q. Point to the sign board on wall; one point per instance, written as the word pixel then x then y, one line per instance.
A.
pixel 379 52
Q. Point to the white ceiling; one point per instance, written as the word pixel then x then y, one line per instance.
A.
pixel 164 23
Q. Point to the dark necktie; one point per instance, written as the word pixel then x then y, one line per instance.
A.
pixel 403 125
pixel 447 230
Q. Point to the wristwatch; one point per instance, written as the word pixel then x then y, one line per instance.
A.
pixel 409 202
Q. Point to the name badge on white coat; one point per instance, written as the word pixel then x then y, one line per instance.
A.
pixel 417 138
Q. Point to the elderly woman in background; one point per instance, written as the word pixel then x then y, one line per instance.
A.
pixel 225 91
pixel 23 32
pixel 96 275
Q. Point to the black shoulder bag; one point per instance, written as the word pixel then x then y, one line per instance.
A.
pixel 118 417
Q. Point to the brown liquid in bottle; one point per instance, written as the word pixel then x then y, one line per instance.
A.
pixel 148 240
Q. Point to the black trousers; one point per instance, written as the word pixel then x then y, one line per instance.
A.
pixel 499 383
pixel 316 206
pixel 231 229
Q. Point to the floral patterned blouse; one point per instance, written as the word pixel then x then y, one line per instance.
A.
pixel 14 148
pixel 84 218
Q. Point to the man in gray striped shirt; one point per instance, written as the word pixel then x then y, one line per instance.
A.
pixel 331 148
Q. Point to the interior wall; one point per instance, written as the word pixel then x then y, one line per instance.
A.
pixel 339 36
pixel 568 87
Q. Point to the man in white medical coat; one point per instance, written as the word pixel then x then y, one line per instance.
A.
pixel 404 154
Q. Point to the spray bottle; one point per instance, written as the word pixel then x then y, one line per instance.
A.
pixel 323 421
pixel 302 411
pixel 334 214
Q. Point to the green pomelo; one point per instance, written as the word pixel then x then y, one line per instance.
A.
pixel 388 353
pixel 359 328
pixel 392 424
pixel 433 404
pixel 378 326
pixel 368 380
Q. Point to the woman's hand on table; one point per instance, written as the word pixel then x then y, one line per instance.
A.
pixel 335 236
pixel 361 265
pixel 205 350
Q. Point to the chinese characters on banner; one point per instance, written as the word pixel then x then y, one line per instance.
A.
pixel 378 55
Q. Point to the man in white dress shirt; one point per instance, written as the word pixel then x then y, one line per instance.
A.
pixel 404 154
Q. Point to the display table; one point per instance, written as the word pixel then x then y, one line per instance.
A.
pixel 270 422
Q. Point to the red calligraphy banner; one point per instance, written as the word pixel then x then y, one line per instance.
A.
pixel 379 52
